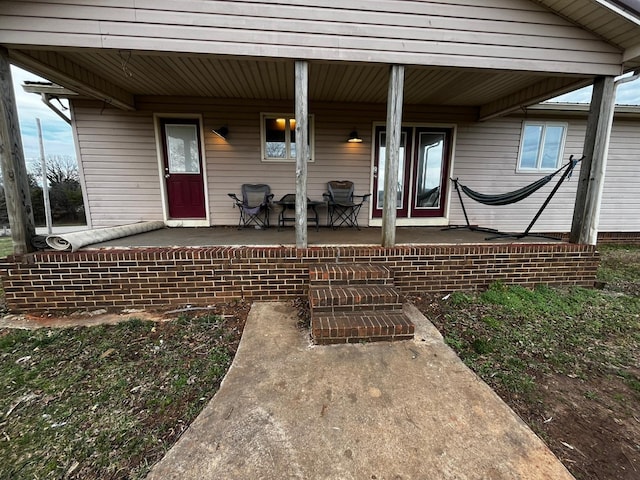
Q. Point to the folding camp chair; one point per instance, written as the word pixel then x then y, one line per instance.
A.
pixel 254 206
pixel 343 205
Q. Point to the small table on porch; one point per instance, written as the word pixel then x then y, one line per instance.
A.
pixel 288 202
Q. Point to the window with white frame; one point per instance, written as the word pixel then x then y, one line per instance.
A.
pixel 278 132
pixel 541 146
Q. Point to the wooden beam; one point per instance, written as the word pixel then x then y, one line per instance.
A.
pixel 392 154
pixel 62 71
pixel 302 149
pixel 539 92
pixel 14 171
pixel 586 212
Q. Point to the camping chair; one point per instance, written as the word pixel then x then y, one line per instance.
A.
pixel 254 206
pixel 342 205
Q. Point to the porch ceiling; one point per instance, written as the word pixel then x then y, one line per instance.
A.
pixel 127 74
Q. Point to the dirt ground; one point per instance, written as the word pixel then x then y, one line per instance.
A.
pixel 588 427
pixel 592 423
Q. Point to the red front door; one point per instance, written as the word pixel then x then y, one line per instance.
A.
pixel 183 168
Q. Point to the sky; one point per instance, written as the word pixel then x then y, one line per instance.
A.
pixel 58 139
pixel 56 134
pixel 626 94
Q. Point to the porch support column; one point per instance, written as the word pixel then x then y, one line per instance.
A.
pixel 14 171
pixel 392 154
pixel 302 149
pixel 586 212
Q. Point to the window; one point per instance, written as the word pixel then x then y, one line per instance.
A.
pixel 279 138
pixel 182 147
pixel 541 146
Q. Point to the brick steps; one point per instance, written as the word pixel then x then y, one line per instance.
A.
pixel 355 303
pixel 355 327
pixel 354 274
pixel 354 299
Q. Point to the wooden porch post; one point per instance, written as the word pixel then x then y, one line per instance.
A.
pixel 302 150
pixel 14 171
pixel 586 212
pixel 392 154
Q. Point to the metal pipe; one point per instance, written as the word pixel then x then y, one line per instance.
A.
pixel 45 181
pixel 46 99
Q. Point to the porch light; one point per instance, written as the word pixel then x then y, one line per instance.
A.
pixel 222 132
pixel 354 137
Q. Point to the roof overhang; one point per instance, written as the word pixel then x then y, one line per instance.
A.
pixel 48 88
pixel 573 110
pixel 109 60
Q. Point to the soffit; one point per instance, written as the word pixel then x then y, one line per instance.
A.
pixel 256 78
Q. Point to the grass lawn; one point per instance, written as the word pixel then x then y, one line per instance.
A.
pixel 6 246
pixel 566 360
pixel 108 401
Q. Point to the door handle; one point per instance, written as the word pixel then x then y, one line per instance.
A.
pixel 167 175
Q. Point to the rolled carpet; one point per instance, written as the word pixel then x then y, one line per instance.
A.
pixel 75 240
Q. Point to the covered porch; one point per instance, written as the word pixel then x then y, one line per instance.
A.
pixel 274 237
pixel 324 70
pixel 387 71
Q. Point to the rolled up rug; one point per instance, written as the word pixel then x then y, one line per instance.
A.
pixel 74 240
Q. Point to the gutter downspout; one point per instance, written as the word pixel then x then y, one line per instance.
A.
pixel 46 99
pixel 631 78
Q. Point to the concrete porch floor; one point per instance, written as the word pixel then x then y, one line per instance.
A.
pixel 231 236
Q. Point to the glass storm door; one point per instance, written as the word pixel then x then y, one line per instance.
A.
pixel 403 172
pixel 423 171
pixel 183 168
pixel 430 172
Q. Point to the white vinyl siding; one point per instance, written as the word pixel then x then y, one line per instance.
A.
pixel 119 163
pixel 498 34
pixel 486 160
pixel 229 163
pixel 620 207
pixel 486 154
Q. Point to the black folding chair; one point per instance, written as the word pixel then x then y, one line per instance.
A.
pixel 254 206
pixel 343 206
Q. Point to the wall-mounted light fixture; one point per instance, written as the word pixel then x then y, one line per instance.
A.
pixel 222 132
pixel 354 137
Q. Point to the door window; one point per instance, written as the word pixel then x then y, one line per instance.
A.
pixel 429 170
pixel 183 153
pixel 381 169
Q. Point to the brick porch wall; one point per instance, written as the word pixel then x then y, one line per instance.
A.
pixel 619 238
pixel 168 277
pixel 605 238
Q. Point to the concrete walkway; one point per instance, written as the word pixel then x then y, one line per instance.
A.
pixel 408 410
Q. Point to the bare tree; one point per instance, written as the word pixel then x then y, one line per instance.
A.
pixel 60 169
pixel 65 193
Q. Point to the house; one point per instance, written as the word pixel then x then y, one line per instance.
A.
pixel 433 89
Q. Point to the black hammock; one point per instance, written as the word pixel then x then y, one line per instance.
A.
pixel 514 197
